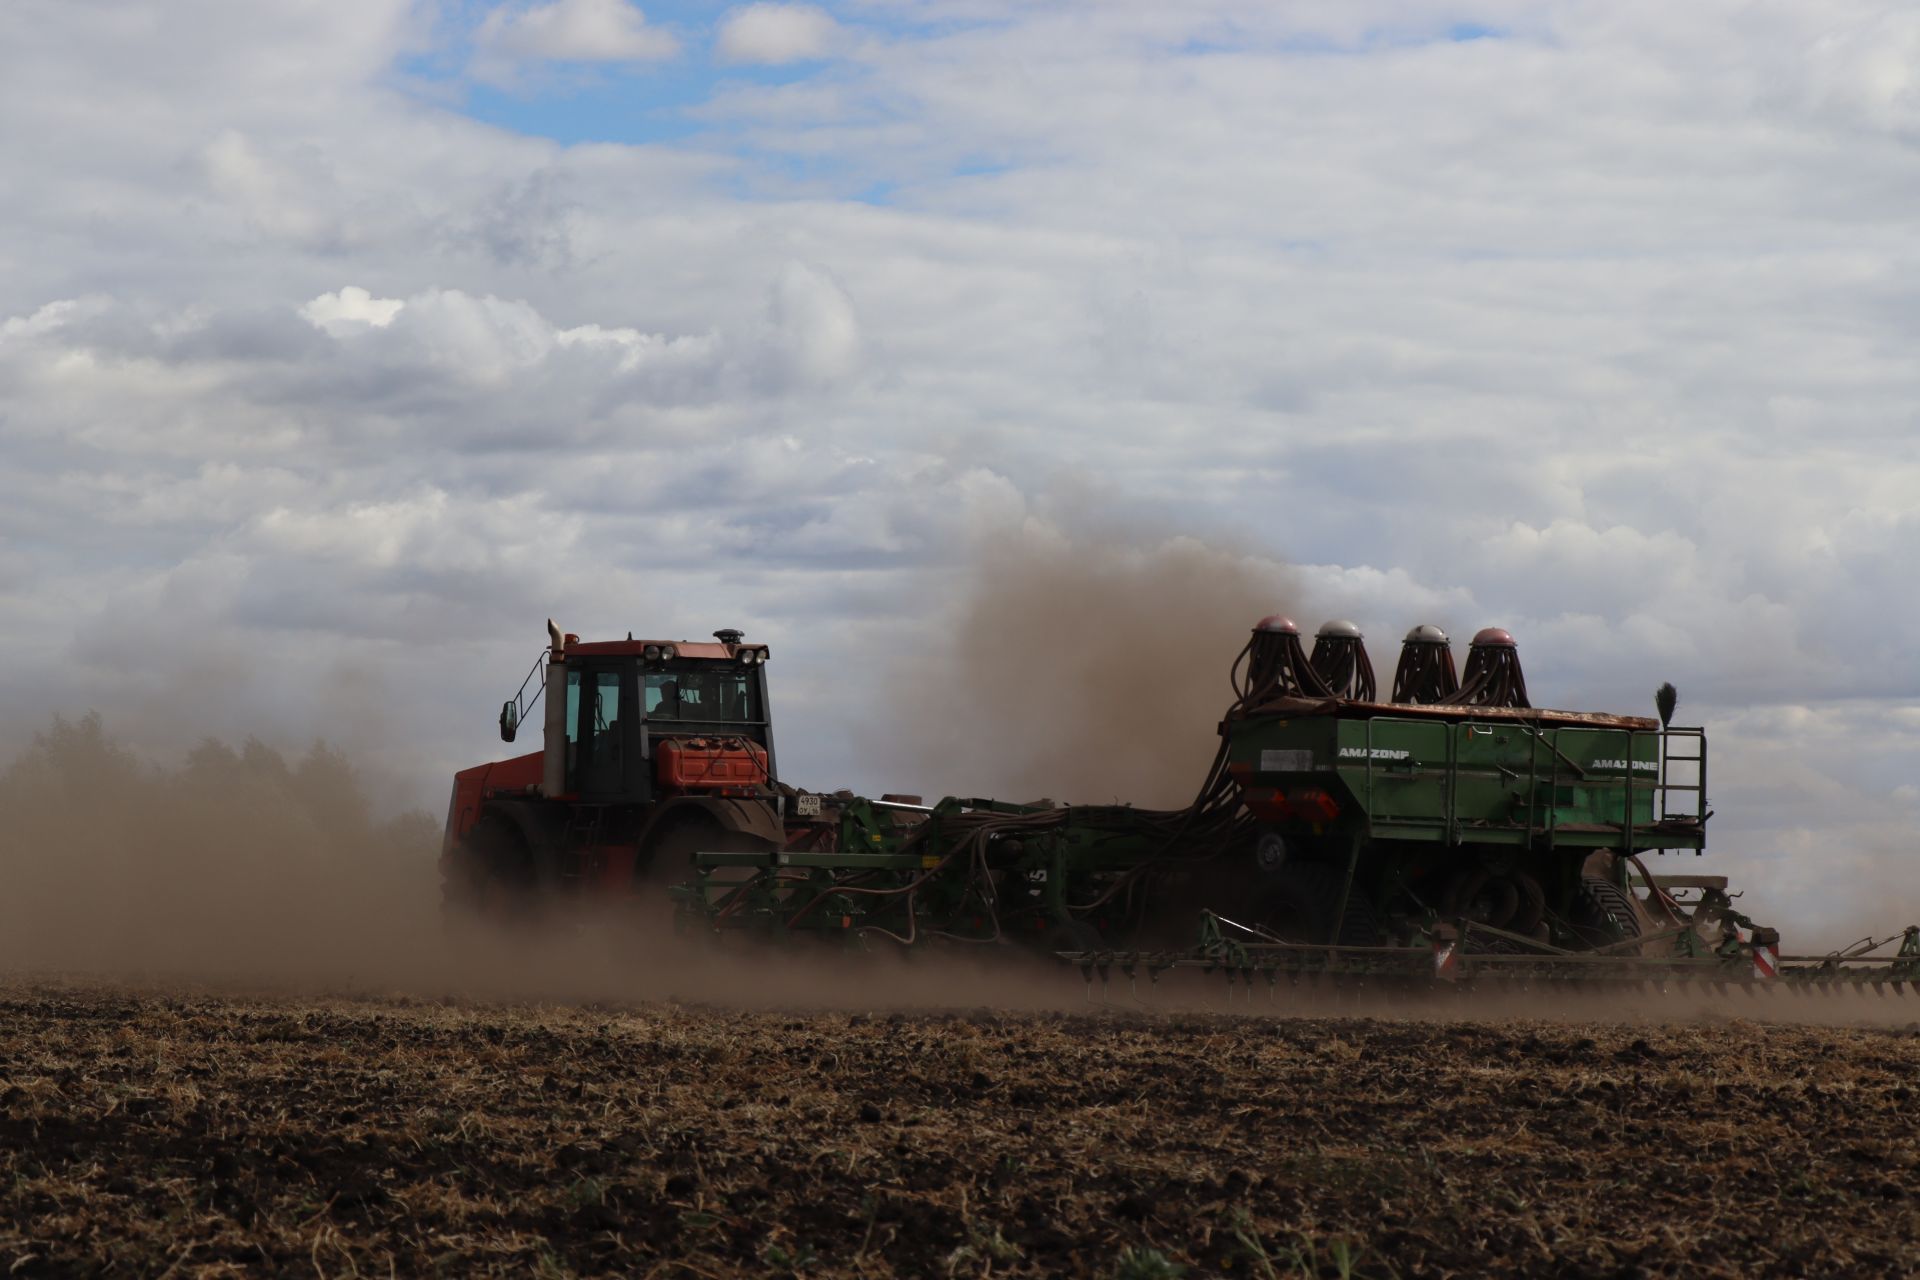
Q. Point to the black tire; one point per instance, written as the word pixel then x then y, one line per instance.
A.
pixel 1604 913
pixel 1074 935
pixel 667 858
pixel 492 875
pixel 667 861
pixel 1299 901
pixel 1512 900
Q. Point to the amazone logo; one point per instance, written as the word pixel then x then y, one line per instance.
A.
pixel 1372 753
pixel 1642 766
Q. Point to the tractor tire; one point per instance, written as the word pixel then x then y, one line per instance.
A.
pixel 1298 902
pixel 667 860
pixel 492 876
pixel 1605 913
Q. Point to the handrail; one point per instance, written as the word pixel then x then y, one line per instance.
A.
pixel 1628 782
pixel 521 702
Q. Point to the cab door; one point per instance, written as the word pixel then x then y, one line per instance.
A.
pixel 599 727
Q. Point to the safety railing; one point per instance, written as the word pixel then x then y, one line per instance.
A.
pixel 1675 791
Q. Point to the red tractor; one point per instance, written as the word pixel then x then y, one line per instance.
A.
pixel 654 749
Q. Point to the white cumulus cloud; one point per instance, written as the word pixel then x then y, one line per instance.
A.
pixel 816 332
pixel 1619 356
pixel 575 31
pixel 350 310
pixel 776 33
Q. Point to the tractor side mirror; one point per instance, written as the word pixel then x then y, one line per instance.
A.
pixel 509 720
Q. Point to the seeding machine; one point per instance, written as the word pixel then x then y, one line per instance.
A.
pixel 1450 834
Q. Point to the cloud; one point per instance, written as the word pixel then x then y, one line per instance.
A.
pixel 350 310
pixel 608 31
pixel 1867 72
pixel 816 331
pixel 265 191
pixel 774 34
pixel 297 354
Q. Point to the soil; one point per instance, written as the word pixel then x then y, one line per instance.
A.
pixel 198 1133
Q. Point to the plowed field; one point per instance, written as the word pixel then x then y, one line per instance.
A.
pixel 200 1134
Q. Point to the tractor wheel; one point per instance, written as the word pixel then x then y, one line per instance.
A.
pixel 1511 900
pixel 492 875
pixel 1300 899
pixel 667 860
pixel 1604 913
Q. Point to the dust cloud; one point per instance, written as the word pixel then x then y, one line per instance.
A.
pixel 232 861
pixel 1086 675
pixel 1082 671
pixel 246 868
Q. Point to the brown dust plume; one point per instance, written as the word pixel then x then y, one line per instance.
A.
pixel 240 861
pixel 1083 671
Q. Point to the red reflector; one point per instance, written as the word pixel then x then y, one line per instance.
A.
pixel 846 922
pixel 1312 804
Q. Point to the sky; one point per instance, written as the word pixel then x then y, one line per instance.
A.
pixel 342 343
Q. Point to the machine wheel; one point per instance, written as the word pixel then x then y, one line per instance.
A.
pixel 1300 898
pixel 667 860
pixel 1074 935
pixel 1604 913
pixel 492 875
pixel 1511 900
pixel 668 856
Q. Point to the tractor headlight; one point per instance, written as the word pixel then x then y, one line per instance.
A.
pixel 746 657
pixel 668 651
pixel 651 653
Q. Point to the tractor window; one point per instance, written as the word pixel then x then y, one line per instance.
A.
pixel 705 695
pixel 604 756
pixel 573 726
pixel 606 703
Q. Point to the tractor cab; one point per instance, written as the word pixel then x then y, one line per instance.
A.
pixel 634 721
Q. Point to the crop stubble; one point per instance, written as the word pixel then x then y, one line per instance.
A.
pixel 148 1130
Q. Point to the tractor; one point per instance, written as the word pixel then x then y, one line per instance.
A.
pixel 653 750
